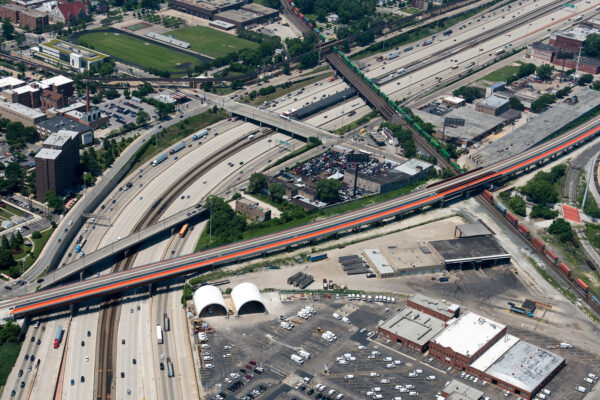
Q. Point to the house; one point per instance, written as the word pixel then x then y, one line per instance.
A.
pixel 68 13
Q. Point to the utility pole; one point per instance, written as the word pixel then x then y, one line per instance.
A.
pixel 577 65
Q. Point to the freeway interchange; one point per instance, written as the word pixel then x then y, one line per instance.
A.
pixel 148 274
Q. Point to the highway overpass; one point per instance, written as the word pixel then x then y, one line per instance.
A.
pixel 258 247
pixel 119 246
pixel 264 117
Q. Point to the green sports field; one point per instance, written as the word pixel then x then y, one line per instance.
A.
pixel 210 41
pixel 139 52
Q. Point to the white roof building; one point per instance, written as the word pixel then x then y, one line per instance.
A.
pixel 247 299
pixel 209 301
pixel 469 334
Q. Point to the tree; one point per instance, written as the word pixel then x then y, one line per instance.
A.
pixel 517 204
pixel 591 48
pixel 142 117
pixel 561 229
pixel 468 93
pixel 19 238
pixel 544 71
pixel 328 190
pixel 7 260
pixel 256 183
pixel 276 191
pixel 14 244
pixel 542 211
pixel 8 30
pixel 541 191
pixel 36 235
pixel 20 38
pixel 54 201
pixel 286 69
pixel 5 243
pixel 585 79
pixel 515 103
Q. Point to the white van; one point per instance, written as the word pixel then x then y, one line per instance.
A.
pixel 541 396
pixel 580 389
pixel 376 389
pixel 387 359
pixel 413 393
pixel 588 380
pixel 348 377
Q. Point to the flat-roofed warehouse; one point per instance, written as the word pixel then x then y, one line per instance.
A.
pixel 517 366
pixel 412 258
pixel 411 327
pixel 471 252
pixel 463 341
pixel 456 389
pixel 537 129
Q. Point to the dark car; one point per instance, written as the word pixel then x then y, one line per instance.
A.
pixel 134 362
pixel 82 378
pixel 39 342
pixel 20 373
pixel 89 333
pixel 242 370
pixel 82 343
pixel 33 339
pixel 310 391
pixel 22 384
pixel 162 366
pixel 122 374
pixel 26 357
pixel 32 358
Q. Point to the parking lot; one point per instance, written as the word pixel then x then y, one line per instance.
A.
pixel 122 111
pixel 356 364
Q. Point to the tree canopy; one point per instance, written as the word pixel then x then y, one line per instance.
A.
pixel 561 229
pixel 256 183
pixel 328 190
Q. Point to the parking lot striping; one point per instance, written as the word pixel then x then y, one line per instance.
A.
pixel 406 355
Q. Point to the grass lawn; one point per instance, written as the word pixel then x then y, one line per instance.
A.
pixel 8 354
pixel 140 52
pixel 412 10
pixel 501 74
pixel 38 245
pixel 211 41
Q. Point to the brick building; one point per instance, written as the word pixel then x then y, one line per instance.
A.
pixel 56 164
pixel 23 16
pixel 465 340
pixel 541 51
pixel 19 113
pixel 418 323
pixel 493 105
pixel 252 210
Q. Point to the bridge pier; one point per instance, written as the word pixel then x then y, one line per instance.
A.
pixel 149 289
pixel 72 308
pixel 80 276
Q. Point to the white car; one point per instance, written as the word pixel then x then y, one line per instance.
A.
pixel 384 380
pixel 387 359
pixel 87 358
pixel 342 362
pixel 226 355
pixel 361 347
pixel 209 366
pixel 397 362
pixel 226 347
pixel 207 358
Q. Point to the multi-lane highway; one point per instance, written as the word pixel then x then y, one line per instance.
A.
pixel 183 265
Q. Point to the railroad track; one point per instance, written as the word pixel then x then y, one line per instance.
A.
pixel 110 310
pixel 578 164
pixel 381 105
pixel 547 261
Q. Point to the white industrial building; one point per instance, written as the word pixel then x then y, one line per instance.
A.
pixel 247 299
pixel 209 301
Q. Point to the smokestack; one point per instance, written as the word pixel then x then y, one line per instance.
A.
pixel 87 99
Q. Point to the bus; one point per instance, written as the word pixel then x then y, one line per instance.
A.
pixel 498 52
pixel 159 334
pixel 183 230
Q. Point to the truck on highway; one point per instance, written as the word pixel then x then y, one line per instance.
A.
pixel 170 370
pixel 80 246
pixel 166 322
pixel 299 360
pixel 177 147
pixel 427 42
pixel 200 135
pixel 58 336
pixel 183 230
pixel 498 52
pixel 393 55
pixel 159 334
pixel 159 159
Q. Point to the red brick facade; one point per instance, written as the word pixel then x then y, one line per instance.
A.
pixel 23 16
pixel 429 311
pixel 460 361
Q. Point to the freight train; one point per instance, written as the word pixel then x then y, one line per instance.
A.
pixel 539 244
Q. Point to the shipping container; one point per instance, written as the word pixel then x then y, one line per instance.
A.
pixel 523 229
pixel 552 255
pixel 512 219
pixel 443 279
pixel 292 278
pixel 539 244
pixel 317 257
pixel 595 300
pixel 183 230
pixel 488 196
pixel 178 147
pixel 582 285
pixel 501 208
pixel 564 268
pixel 160 159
